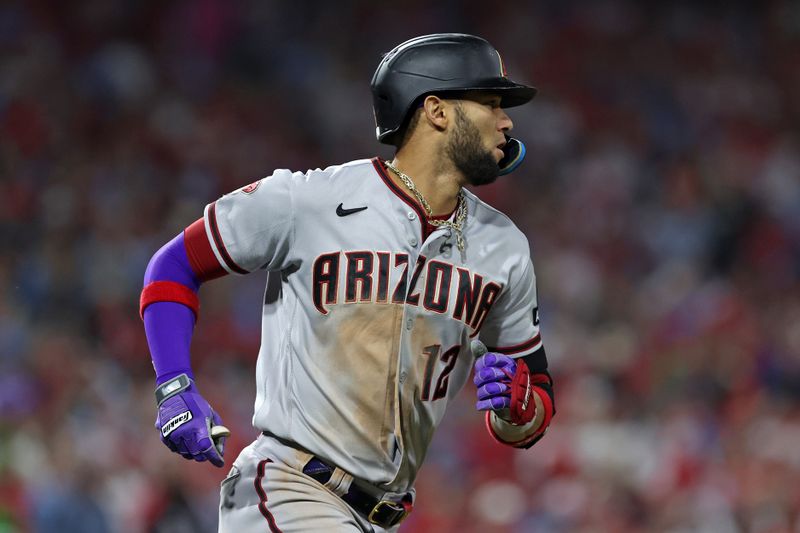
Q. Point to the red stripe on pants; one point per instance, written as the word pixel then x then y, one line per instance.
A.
pixel 262 496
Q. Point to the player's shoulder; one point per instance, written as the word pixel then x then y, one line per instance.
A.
pixel 354 169
pixel 298 184
pixel 488 216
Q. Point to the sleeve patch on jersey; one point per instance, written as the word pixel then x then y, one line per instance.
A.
pixel 223 252
pixel 201 256
pixel 250 189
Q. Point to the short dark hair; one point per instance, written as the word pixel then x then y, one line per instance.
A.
pixel 409 125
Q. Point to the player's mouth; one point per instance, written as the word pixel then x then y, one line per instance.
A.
pixel 499 150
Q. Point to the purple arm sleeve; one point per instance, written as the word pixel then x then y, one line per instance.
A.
pixel 169 325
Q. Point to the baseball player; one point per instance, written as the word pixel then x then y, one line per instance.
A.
pixel 393 282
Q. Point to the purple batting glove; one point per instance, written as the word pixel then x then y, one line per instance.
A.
pixel 185 420
pixel 493 374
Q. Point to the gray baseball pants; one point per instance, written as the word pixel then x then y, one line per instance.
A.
pixel 266 490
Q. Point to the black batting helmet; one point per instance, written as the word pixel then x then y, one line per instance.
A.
pixel 440 63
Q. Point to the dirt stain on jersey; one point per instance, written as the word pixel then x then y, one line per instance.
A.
pixel 364 358
pixel 364 354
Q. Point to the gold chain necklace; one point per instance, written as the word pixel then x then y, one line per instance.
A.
pixel 461 210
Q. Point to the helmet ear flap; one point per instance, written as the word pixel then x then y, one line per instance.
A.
pixel 514 151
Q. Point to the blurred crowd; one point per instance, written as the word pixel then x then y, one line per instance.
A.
pixel 661 196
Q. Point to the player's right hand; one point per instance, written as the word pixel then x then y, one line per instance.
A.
pixel 187 422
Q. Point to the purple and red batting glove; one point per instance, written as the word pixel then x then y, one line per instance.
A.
pixel 493 375
pixel 506 386
pixel 185 420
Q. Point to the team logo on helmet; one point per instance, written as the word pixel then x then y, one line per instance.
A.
pixel 503 72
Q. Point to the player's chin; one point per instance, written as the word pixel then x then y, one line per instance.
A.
pixel 478 166
pixel 484 171
pixel 476 180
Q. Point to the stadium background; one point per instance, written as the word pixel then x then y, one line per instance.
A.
pixel 661 195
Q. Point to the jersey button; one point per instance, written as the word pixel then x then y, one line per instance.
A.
pixel 402 377
pixel 412 241
pixel 411 215
pixel 409 323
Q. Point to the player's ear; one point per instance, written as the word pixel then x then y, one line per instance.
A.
pixel 436 111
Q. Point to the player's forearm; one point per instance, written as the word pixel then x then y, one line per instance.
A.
pixel 169 328
pixel 169 307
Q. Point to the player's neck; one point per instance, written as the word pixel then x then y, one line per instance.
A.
pixel 437 185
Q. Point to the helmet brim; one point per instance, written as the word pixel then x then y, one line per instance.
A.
pixel 517 95
pixel 511 94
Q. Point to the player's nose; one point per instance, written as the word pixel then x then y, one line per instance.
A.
pixel 504 122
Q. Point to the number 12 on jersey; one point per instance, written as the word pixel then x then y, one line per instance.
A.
pixel 434 353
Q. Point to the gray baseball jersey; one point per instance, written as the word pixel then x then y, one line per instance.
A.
pixel 368 338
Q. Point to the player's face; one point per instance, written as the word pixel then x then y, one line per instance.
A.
pixel 475 144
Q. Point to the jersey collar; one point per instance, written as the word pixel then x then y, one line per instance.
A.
pixel 380 168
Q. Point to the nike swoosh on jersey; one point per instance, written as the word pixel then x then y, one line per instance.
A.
pixel 342 212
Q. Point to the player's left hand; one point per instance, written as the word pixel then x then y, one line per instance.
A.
pixel 504 386
pixel 493 374
pixel 187 423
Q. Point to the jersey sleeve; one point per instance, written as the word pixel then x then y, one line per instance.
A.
pixel 512 326
pixel 252 227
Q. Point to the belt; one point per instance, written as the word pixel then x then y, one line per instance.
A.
pixel 384 513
